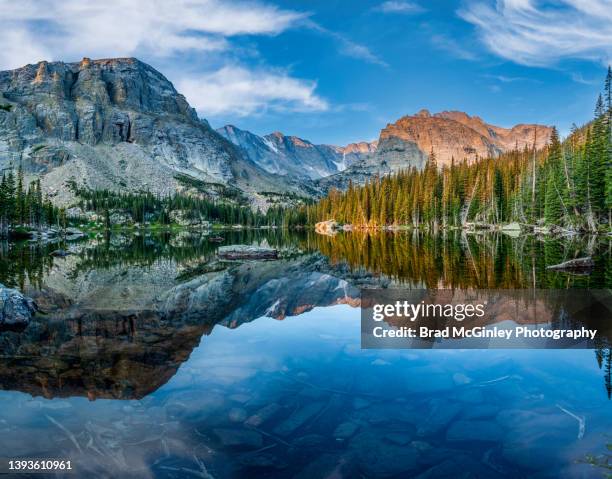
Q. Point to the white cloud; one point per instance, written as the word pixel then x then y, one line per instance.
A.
pixel 32 30
pixel 532 32
pixel 397 6
pixel 238 91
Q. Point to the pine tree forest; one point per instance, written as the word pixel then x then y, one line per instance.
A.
pixel 567 184
pixel 24 206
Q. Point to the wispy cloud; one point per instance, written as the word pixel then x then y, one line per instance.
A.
pixel 535 33
pixel 509 79
pixel 399 6
pixel 578 78
pixel 346 46
pixel 72 28
pixel 235 90
pixel 452 46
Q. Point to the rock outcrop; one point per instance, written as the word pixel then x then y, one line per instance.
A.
pixel 117 124
pixel 15 308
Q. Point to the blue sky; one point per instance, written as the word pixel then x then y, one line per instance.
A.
pixel 338 71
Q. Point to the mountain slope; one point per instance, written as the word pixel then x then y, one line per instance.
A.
pixel 293 156
pixel 118 124
pixel 451 135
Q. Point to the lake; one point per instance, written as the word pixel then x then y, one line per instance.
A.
pixel 153 358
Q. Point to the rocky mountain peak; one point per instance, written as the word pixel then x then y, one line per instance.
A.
pixel 113 123
pixel 455 134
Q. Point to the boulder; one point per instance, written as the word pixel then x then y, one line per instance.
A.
pixel 15 308
pixel 237 252
pixel 328 227
pixel 184 218
pixel 120 218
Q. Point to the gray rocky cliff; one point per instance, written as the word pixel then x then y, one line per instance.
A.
pixel 292 156
pixel 113 123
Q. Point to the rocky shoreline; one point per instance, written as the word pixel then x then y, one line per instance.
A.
pixel 330 227
pixel 15 308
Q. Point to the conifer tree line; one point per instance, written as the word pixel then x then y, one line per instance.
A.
pixel 148 207
pixel 22 205
pixel 567 184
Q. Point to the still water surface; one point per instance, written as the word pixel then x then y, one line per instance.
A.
pixel 155 359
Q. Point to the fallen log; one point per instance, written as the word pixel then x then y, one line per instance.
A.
pixel 235 252
pixel 574 264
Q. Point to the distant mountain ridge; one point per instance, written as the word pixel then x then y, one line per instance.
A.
pixel 293 156
pixel 119 124
pixel 450 135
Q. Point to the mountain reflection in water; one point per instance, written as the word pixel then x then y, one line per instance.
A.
pixel 153 327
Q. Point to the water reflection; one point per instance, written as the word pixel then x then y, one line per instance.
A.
pixel 156 359
pixel 299 398
pixel 460 260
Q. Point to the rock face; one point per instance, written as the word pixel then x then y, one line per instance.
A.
pixel 113 123
pixel 293 156
pixel 450 135
pixel 15 308
pixel 453 134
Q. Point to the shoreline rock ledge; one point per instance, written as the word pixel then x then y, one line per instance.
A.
pixel 15 308
pixel 237 252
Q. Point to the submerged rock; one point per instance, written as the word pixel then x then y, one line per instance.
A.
pixel 15 308
pixel 246 252
pixel 474 431
pixel 441 414
pixel 378 458
pixel 309 441
pixel 239 438
pixel 262 460
pixel 264 414
pixel 299 418
pixel 346 430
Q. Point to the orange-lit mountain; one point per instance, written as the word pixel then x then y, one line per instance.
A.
pixel 449 134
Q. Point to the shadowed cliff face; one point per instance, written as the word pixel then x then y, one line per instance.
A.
pixel 293 156
pixel 110 123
